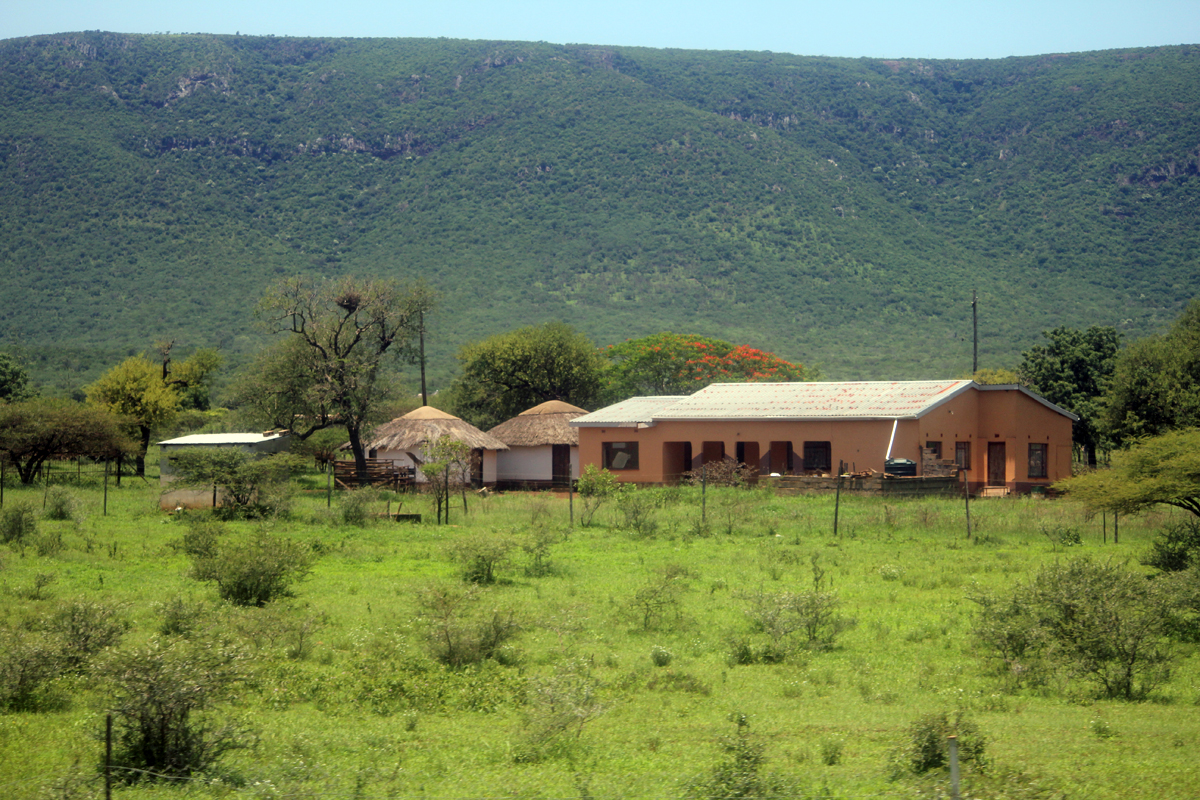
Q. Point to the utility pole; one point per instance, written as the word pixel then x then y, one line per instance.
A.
pixel 975 331
pixel 421 331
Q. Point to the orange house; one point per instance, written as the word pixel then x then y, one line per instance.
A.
pixel 1003 436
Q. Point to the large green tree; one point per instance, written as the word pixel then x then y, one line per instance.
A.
pixel 1073 371
pixel 1161 469
pixel 33 431
pixel 670 363
pixel 14 381
pixel 335 368
pixel 1156 382
pixel 506 374
pixel 149 395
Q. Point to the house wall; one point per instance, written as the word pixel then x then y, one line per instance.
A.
pixel 525 464
pixel 975 417
pixel 531 463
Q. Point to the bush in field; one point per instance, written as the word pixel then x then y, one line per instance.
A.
pixel 254 571
pixel 741 773
pixel 595 486
pixel 557 708
pixel 460 630
pixel 83 629
pixel 637 507
pixel 355 506
pixel 28 662
pixel 1094 621
pixel 162 695
pixel 659 599
pixel 926 745
pixel 793 620
pixel 18 522
pixel 61 504
pixel 481 555
pixel 1176 547
pixel 202 537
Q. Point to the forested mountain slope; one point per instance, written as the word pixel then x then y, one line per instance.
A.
pixel 836 211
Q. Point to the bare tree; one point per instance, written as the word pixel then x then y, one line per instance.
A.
pixel 346 330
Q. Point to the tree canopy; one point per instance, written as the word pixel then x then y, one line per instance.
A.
pixel 334 369
pixel 506 374
pixel 670 363
pixel 33 431
pixel 14 380
pixel 149 395
pixel 1073 371
pixel 1162 469
pixel 1156 382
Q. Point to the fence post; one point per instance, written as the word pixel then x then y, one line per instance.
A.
pixel 108 757
pixel 837 499
pixel 954 793
pixel 966 498
pixel 703 492
pixel 571 500
pixel 1116 528
pixel 106 487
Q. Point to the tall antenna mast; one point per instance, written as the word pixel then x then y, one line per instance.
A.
pixel 421 330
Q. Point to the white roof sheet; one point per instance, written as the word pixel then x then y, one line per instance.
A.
pixel 815 400
pixel 627 413
pixel 216 439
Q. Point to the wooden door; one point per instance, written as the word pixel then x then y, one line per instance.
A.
pixel 996 464
pixel 560 464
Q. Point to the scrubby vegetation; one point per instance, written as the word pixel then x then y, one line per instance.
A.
pixel 614 660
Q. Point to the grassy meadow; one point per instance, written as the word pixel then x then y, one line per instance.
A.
pixel 623 668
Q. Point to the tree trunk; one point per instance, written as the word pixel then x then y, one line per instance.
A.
pixel 360 455
pixel 140 462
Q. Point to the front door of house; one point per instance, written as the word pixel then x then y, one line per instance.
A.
pixel 996 464
pixel 560 464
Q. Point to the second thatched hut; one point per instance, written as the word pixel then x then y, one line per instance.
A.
pixel 543 450
pixel 405 439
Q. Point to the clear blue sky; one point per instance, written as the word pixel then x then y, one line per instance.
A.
pixel 877 28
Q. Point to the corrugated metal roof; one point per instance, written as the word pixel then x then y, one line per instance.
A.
pixel 215 439
pixel 825 400
pixel 627 413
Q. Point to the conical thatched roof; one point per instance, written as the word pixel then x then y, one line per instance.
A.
pixel 422 426
pixel 540 425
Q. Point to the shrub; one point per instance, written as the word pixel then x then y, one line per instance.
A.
pixel 355 506
pixel 253 572
pixel 740 774
pixel 162 694
pixel 1090 620
pixel 661 656
pixel 798 619
pixel 726 472
pixel 28 662
pixel 637 508
pixel 1176 547
pixel 558 708
pixel 18 522
pixel 659 598
pixel 595 486
pixel 84 628
pixel 481 555
pixel 459 631
pixel 926 745
pixel 62 505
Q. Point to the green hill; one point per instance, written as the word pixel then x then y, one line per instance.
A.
pixel 836 211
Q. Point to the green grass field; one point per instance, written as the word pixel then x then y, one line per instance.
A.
pixel 630 637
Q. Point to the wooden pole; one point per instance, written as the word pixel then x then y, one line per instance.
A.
pixel 837 499
pixel 703 492
pixel 329 487
pixel 1116 528
pixel 954 788
pixel 974 332
pixel 421 330
pixel 966 498
pixel 108 757
pixel 571 500
pixel 105 487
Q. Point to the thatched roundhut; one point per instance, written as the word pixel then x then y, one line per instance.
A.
pixel 404 439
pixel 543 447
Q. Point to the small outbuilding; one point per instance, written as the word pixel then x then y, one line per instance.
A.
pixel 543 448
pixel 1005 438
pixel 257 443
pixel 404 441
